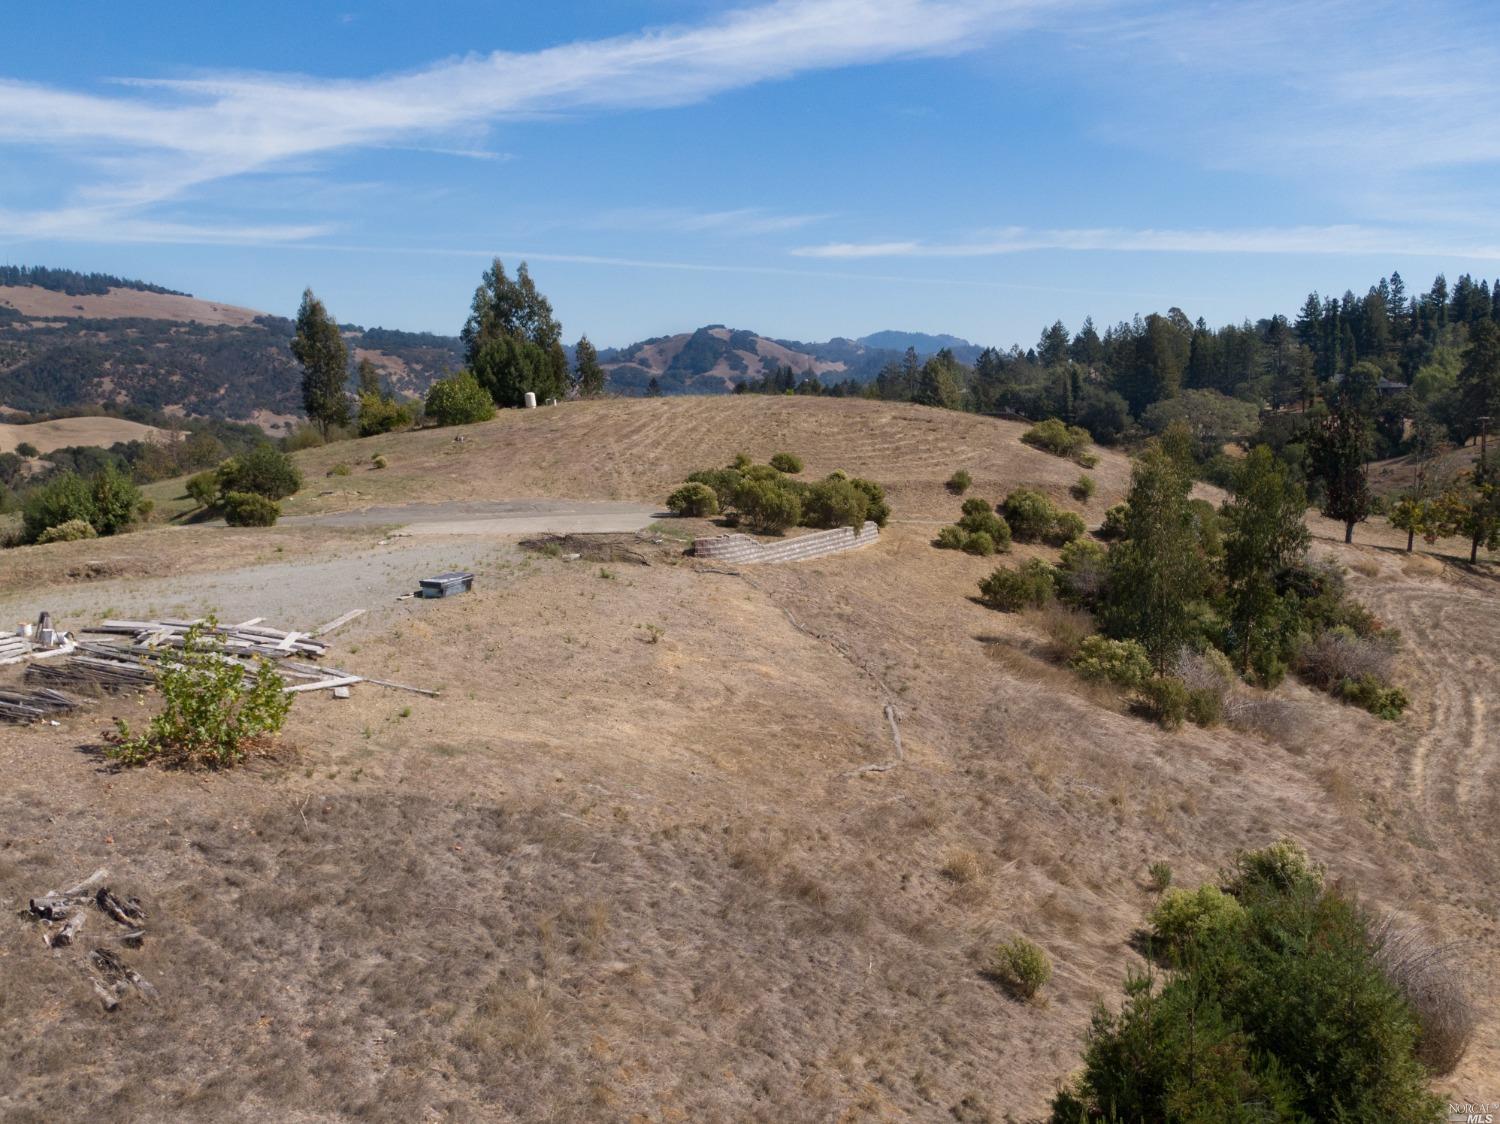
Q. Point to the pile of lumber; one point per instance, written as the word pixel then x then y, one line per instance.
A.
pixel 14 648
pixel 249 638
pixel 31 706
pixel 131 653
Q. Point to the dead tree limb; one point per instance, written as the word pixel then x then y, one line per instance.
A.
pixel 58 905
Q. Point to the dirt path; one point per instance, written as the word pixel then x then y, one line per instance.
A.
pixel 495 517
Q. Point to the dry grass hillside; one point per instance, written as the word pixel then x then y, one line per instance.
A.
pixel 123 304
pixel 639 449
pixel 49 435
pixel 632 866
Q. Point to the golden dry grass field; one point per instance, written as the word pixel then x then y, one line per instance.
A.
pixel 49 435
pixel 629 866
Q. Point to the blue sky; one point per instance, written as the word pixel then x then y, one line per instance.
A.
pixel 803 168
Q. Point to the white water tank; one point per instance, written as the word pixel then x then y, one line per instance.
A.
pixel 530 400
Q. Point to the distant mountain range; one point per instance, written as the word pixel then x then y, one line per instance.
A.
pixel 69 340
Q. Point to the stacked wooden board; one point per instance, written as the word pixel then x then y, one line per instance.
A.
pixel 14 648
pixel 252 638
pixel 32 706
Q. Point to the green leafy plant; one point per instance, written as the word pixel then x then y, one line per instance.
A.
pixel 1083 489
pixel 1020 966
pixel 950 538
pixel 246 509
pixel 959 483
pixel 694 499
pixel 787 462
pixel 1121 662
pixel 1160 874
pixel 264 470
pixel 71 531
pixel 1165 700
pixel 1029 587
pixel 459 400
pixel 979 543
pixel 835 503
pixel 768 506
pixel 213 715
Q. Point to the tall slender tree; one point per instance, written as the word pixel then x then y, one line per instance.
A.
pixel 1264 536
pixel 1336 454
pixel 588 375
pixel 320 349
pixel 1479 378
pixel 1156 576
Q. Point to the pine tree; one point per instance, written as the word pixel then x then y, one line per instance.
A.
pixel 653 388
pixel 940 382
pixel 1336 452
pixel 1264 536
pixel 369 378
pixel 588 375
pixel 1479 378
pixel 1052 349
pixel 1156 576
pixel 320 348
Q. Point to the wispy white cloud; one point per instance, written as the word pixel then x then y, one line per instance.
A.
pixel 1347 240
pixel 183 134
pixel 741 221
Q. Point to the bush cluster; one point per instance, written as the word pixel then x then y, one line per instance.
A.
pixel 979 530
pixel 380 413
pixel 694 499
pixel 248 509
pixel 765 498
pixel 1356 669
pixel 107 501
pixel 1034 518
pixel 264 471
pixel 1058 438
pixel 1123 663
pixel 71 531
pixel 459 400
pixel 959 483
pixel 1029 587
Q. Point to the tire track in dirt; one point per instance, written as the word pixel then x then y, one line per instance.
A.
pixel 1449 633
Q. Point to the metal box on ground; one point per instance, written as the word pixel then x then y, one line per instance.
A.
pixel 446 585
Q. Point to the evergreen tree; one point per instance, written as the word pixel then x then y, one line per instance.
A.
pixel 1087 348
pixel 1264 537
pixel 512 342
pixel 369 378
pixel 940 382
pixel 1479 378
pixel 588 375
pixel 653 388
pixel 1052 349
pixel 320 349
pixel 1156 575
pixel 1336 452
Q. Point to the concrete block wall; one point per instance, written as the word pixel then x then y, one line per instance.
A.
pixel 743 548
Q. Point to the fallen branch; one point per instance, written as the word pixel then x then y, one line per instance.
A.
pixel 58 905
pixel 64 936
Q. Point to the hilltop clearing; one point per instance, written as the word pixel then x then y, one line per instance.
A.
pixel 635 863
pixel 121 304
pixel 49 435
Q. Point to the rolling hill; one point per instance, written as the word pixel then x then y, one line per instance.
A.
pixel 70 339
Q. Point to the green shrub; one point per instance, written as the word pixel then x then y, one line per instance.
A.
pixel 741 462
pixel 1371 694
pixel 264 470
pixel 787 462
pixel 340 469
pixel 1083 490
pixel 379 414
pixel 1164 700
pixel 950 538
pixel 1056 437
pixel 1010 591
pixel 876 509
pixel 1021 967
pixel 1087 460
pixel 303 437
pixel 203 488
pixel 378 461
pixel 71 531
pixel 63 499
pixel 768 506
pixel 1205 706
pixel 959 483
pixel 1280 1009
pixel 28 450
pixel 834 503
pixel 1160 873
pixel 1029 513
pixel 211 717
pixel 980 543
pixel 1183 917
pixel 764 473
pixel 1066 527
pixel 1081 569
pixel 1283 867
pixel 248 509
pixel 115 499
pixel 459 400
pixel 694 499
pixel 1121 662
pixel 979 518
pixel 724 481
pixel 1114 526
